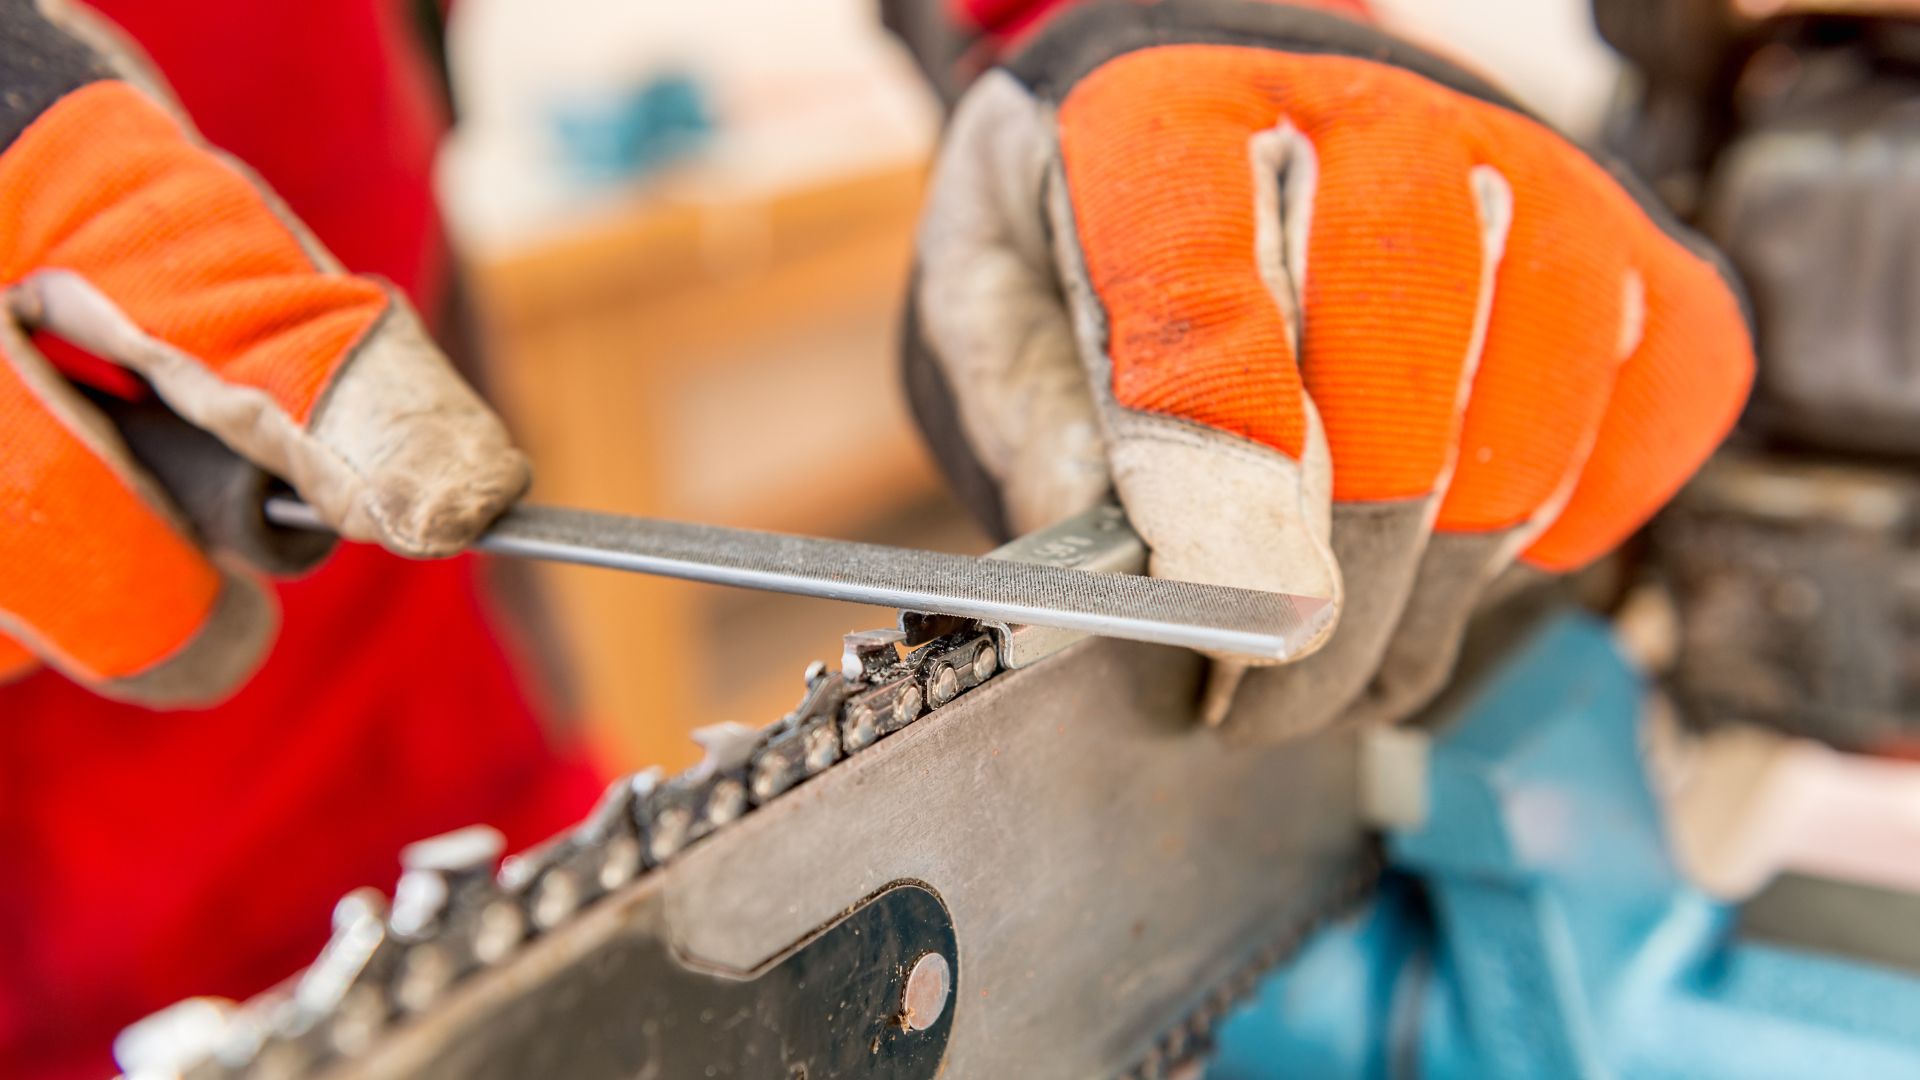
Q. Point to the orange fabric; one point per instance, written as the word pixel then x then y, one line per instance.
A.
pixel 1354 9
pixel 93 573
pixel 108 184
pixel 1675 399
pixel 15 660
pixel 1155 145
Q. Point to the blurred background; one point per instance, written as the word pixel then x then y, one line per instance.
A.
pixel 687 228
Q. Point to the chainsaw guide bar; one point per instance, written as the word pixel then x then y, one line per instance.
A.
pixel 937 862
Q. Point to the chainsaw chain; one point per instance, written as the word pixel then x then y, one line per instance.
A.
pixel 453 915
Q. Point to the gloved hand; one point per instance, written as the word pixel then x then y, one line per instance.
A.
pixel 122 234
pixel 1331 316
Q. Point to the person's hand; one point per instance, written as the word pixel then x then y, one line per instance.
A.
pixel 124 235
pixel 1330 315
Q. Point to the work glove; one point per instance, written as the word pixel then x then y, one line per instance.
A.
pixel 122 234
pixel 1330 315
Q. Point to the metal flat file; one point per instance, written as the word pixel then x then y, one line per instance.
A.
pixel 1242 622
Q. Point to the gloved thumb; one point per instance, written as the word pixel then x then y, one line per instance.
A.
pixel 1378 547
pixel 1221 510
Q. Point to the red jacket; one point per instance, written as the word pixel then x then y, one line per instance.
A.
pixel 145 857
